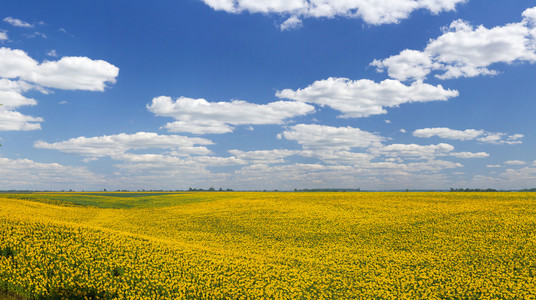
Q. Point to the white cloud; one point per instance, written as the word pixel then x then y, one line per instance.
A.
pixel 414 150
pixel 36 34
pixel 339 157
pixel 14 120
pixel 493 166
pixel 529 15
pixel 466 51
pixel 278 156
pixel 362 98
pixel 409 64
pixel 382 175
pixel 11 98
pixel 264 156
pixel 515 162
pixel 447 133
pixel 332 147
pixel 166 161
pixel 11 93
pixel 117 145
pixel 430 165
pixel 17 22
pixel 372 12
pixel 3 36
pixel 52 53
pixel 28 174
pixel 19 74
pixel 470 154
pixel 312 136
pixel 69 73
pixel 509 179
pixel 500 138
pixel 469 134
pixel 291 23
pixel 218 161
pixel 200 116
pixel 199 127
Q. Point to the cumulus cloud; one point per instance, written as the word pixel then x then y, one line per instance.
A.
pixel 470 154
pixel 138 161
pixel 3 36
pixel 119 144
pixel 339 157
pixel 52 53
pixel 508 179
pixel 382 175
pixel 515 162
pixel 200 116
pixel 500 138
pixel 447 133
pixel 335 145
pixel 68 73
pixel 414 150
pixel 409 64
pixel 466 51
pixel 19 73
pixel 162 161
pixel 291 23
pixel 14 120
pixel 469 134
pixel 11 98
pixel 28 174
pixel 11 93
pixel 264 156
pixel 409 169
pixel 362 98
pixel 218 161
pixel 17 22
pixel 312 136
pixel 371 12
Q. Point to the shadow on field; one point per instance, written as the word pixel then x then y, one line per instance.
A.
pixel 78 294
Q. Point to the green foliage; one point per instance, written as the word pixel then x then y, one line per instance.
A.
pixel 7 252
pixel 117 200
pixel 118 271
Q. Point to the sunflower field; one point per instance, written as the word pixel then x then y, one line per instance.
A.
pixel 268 245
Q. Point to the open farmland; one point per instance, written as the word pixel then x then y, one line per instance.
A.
pixel 247 245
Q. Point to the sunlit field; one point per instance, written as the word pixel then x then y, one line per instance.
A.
pixel 246 245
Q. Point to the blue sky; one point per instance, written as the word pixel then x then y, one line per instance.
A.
pixel 267 94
